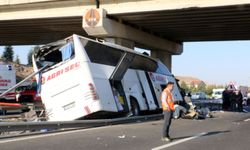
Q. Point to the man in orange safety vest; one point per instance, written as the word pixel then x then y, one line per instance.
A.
pixel 168 108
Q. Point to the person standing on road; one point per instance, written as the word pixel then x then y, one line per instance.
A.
pixel 239 101
pixel 168 108
pixel 233 101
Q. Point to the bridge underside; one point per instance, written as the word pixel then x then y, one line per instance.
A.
pixel 195 24
pixel 39 31
pixel 191 24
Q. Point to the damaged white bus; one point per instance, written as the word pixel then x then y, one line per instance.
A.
pixel 91 79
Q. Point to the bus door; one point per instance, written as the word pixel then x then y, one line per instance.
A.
pixel 148 90
pixel 118 74
pixel 157 80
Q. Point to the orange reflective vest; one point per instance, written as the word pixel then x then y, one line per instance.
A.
pixel 167 101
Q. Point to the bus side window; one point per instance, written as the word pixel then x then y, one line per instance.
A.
pixel 102 54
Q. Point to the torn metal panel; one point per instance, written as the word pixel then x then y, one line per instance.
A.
pixel 122 67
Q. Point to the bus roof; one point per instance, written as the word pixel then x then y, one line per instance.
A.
pixel 141 61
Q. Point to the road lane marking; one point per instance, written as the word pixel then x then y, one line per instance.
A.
pixel 49 135
pixel 179 141
pixel 247 120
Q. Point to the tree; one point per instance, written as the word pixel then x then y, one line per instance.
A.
pixel 220 86
pixel 201 87
pixel 193 89
pixel 8 54
pixel 184 86
pixel 209 89
pixel 17 60
pixel 31 52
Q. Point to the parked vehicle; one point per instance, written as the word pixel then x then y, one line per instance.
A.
pixel 198 95
pixel 28 93
pixel 244 92
pixel 7 80
pixel 90 79
pixel 248 99
pixel 217 93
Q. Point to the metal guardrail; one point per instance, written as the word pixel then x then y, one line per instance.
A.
pixel 21 82
pixel 29 126
pixel 211 104
pixel 22 126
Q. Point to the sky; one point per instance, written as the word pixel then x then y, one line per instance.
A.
pixel 213 62
pixel 21 51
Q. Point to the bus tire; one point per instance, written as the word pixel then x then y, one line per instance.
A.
pixel 135 109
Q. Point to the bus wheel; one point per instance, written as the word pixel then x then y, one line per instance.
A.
pixel 135 109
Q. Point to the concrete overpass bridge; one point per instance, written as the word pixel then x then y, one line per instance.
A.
pixel 158 25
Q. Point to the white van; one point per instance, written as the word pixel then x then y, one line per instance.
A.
pixel 90 79
pixel 7 80
pixel 217 93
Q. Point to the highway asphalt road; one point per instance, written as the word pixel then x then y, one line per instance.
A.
pixel 228 130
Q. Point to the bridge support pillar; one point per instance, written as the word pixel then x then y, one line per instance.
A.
pixel 164 56
pixel 97 23
pixel 122 42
